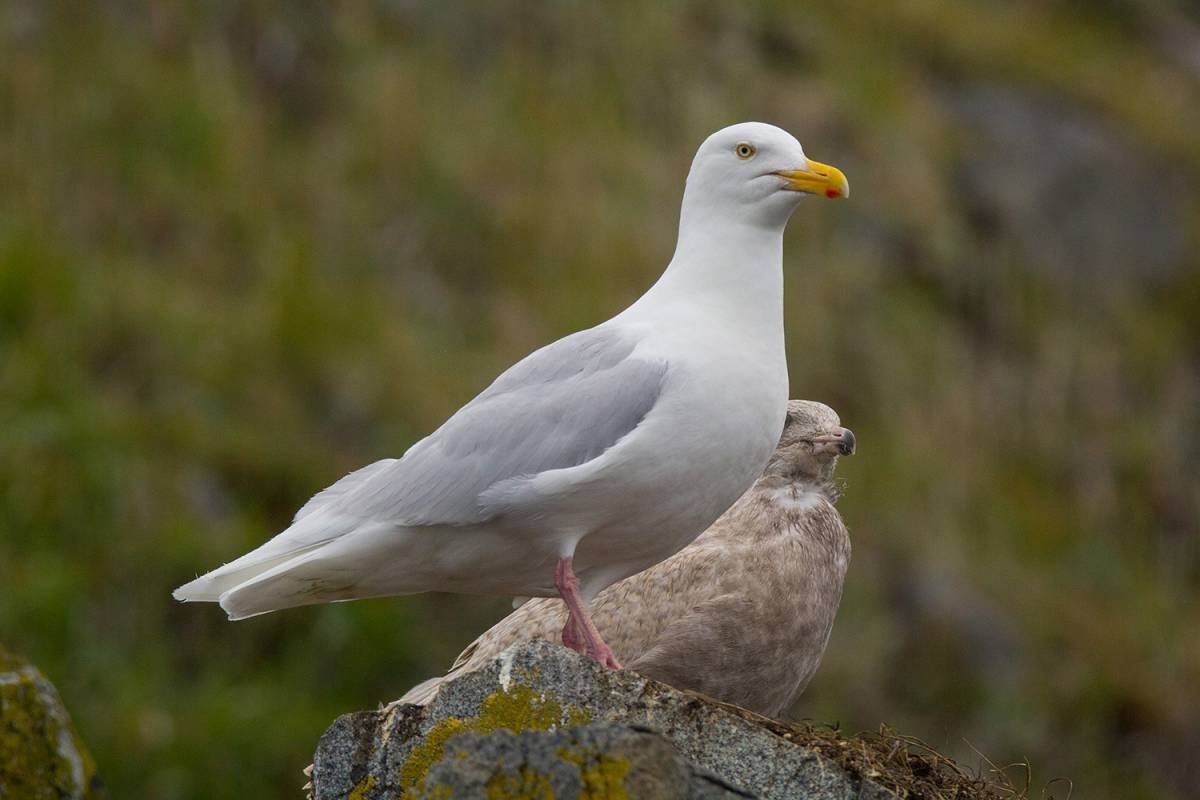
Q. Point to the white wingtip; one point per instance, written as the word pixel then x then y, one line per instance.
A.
pixel 195 591
pixel 242 602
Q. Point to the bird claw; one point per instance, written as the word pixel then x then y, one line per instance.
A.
pixel 606 657
pixel 597 651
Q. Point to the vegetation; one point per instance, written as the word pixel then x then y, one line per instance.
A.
pixel 247 247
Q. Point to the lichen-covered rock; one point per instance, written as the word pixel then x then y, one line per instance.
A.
pixel 41 755
pixel 601 760
pixel 605 732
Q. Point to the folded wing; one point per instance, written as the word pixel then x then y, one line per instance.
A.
pixel 562 406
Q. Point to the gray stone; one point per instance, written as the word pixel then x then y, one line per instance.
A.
pixel 559 702
pixel 601 760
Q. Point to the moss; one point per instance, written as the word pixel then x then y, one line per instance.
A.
pixel 41 755
pixel 516 709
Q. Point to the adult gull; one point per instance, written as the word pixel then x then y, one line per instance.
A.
pixel 744 612
pixel 595 456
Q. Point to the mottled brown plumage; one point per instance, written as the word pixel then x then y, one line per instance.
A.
pixel 742 614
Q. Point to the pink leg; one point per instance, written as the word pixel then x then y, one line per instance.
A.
pixel 579 633
pixel 571 636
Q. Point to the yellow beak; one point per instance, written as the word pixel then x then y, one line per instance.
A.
pixel 817 179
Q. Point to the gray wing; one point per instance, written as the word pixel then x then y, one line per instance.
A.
pixel 347 484
pixel 560 407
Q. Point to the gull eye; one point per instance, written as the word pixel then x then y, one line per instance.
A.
pixel 745 150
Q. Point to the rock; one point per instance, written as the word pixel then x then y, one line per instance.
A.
pixel 1076 198
pixel 41 755
pixel 598 760
pixel 542 721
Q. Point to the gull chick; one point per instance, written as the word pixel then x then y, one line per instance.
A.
pixel 743 613
pixel 592 458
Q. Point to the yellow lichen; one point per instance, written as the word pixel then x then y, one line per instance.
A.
pixel 521 708
pixel 603 775
pixel 359 792
pixel 516 709
pixel 429 752
pixel 529 785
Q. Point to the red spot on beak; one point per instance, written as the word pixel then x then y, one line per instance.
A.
pixel 832 194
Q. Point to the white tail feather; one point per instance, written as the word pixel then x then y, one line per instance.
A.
pixel 303 537
pixel 209 587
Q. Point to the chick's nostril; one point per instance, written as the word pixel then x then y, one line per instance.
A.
pixel 846 446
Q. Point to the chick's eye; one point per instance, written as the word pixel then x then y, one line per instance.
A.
pixel 745 150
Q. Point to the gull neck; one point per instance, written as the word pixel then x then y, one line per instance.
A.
pixel 729 267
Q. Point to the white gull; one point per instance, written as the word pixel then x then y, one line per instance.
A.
pixel 595 456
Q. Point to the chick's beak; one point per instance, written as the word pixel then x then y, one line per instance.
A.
pixel 818 178
pixel 839 441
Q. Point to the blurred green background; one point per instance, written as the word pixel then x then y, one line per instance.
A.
pixel 247 247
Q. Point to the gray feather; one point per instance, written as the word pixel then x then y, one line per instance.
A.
pixel 346 484
pixel 560 407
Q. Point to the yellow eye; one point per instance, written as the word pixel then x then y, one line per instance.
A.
pixel 745 150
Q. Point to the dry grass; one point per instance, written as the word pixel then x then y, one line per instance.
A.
pixel 907 766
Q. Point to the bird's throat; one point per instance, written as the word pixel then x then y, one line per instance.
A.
pixel 731 271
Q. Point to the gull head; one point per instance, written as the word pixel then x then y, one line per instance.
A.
pixel 759 173
pixel 812 440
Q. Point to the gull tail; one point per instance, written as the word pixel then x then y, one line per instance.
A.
pixel 209 587
pixel 357 564
pixel 305 537
pixel 308 578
